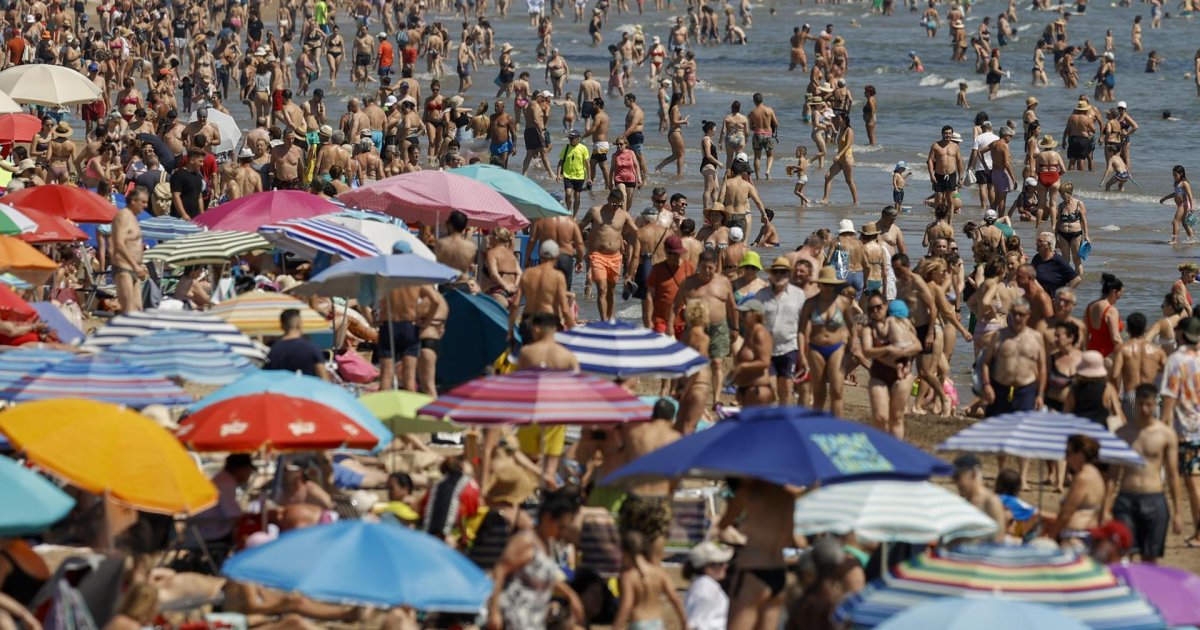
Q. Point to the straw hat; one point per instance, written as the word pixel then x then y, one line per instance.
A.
pixel 1032 100
pixel 506 47
pixel 816 100
pixel 825 87
pixel 1082 106
pixel 1091 365
pixel 1048 142
pixel 510 485
pixel 846 226
pixel 63 130
pixel 718 207
pixel 870 229
pixel 828 275
pixel 781 262
pixel 838 41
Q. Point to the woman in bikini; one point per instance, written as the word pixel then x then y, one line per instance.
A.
pixel 709 162
pixel 751 373
pixel 843 160
pixel 675 138
pixel 1182 194
pixel 934 368
pixel 1033 146
pixel 1081 507
pixel 103 167
pixel 41 142
pixel 940 228
pixel 503 274
pixel 695 390
pixel 1070 226
pixel 826 326
pixel 335 47
pixel 1049 167
pixel 1101 320
pixel 434 117
pixel 1063 360
pixel 888 343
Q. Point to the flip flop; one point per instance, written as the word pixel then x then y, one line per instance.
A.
pixel 1191 543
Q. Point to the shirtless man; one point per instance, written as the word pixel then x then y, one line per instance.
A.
pixel 968 478
pixel 798 58
pixel 945 165
pixel 125 251
pixel 432 312
pixel 535 134
pixel 456 249
pixel 332 154
pixel 1003 179
pixel 1041 307
pixel 736 194
pixel 1135 362
pixel 1140 503
pixel 751 373
pixel 370 166
pixel 293 118
pixel 610 224
pixel 501 131
pixel 565 232
pixel 598 132
pixel 399 335
pixel 248 180
pixel 890 233
pixel 922 309
pixel 544 291
pixel 716 292
pixel 648 250
pixel 287 162
pixel 589 91
pixel 354 121
pixel 1013 365
pixel 765 127
pixel 1077 136
pixel 635 126
pixel 761 579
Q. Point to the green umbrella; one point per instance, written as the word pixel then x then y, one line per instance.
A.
pixel 398 410
pixel 523 193
pixel 13 221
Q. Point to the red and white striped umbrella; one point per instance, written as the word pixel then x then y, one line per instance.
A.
pixel 308 237
pixel 539 397
pixel 430 196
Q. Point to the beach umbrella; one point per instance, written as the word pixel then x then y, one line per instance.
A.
pixel 48 85
pixel 189 356
pixel 365 564
pixel 247 214
pixel 369 278
pixel 11 107
pixel 18 127
pixel 271 421
pixel 52 316
pixel 1039 435
pixel 13 308
pixel 17 363
pixel 881 510
pixel 13 282
pixel 207 248
pixel 307 238
pixel 398 410
pixel 1073 584
pixel 299 386
pixel 618 349
pixel 24 261
pixel 429 197
pixel 50 228
pixel 1175 592
pixel 257 313
pixel 122 328
pixel 476 334
pixel 523 193
pixel 95 377
pixel 231 134
pixel 384 234
pixel 70 202
pixel 13 221
pixel 971 613
pixel 31 502
pixel 785 445
pixel 538 397
pixel 165 228
pixel 105 448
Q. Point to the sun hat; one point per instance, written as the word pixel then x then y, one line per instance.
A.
pixel 708 553
pixel 846 226
pixel 1190 329
pixel 25 165
pixel 246 154
pixel 1032 100
pixel 674 245
pixel 63 130
pixel 736 234
pixel 870 229
pixel 506 47
pixel 1048 142
pixel 816 100
pixel 781 262
pixel 956 137
pixel 1082 106
pixel 900 166
pixel 751 259
pixel 825 87
pixel 511 485
pixel 752 306
pixel 828 275
pixel 1091 365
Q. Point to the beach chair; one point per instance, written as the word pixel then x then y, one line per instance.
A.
pixel 693 512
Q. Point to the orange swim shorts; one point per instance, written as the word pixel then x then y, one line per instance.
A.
pixel 606 268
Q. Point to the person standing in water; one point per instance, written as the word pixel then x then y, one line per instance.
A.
pixel 1184 203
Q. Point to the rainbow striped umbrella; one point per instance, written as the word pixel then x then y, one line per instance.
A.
pixel 257 313
pixel 308 237
pixel 1074 584
pixel 101 378
pixel 538 397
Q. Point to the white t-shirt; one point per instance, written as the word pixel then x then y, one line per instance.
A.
pixel 983 142
pixel 706 604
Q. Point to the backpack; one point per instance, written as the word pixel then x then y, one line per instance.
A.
pixel 160 197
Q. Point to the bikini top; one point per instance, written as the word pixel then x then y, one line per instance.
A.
pixel 1073 216
pixel 832 322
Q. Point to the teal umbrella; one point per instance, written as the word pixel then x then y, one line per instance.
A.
pixel 31 502
pixel 476 334
pixel 525 194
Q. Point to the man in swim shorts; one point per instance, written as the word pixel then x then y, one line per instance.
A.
pixel 945 165
pixel 716 293
pixel 1078 135
pixel 610 224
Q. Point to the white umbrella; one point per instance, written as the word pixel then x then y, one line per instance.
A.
pixel 9 106
pixel 48 85
pixel 231 134
pixel 383 235
pixel 916 512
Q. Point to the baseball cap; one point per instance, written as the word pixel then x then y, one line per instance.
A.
pixel 966 462
pixel 1121 105
pixel 990 215
pixel 956 137
pixel 752 306
pixel 741 157
pixel 709 552
pixel 674 245
pixel 736 234
pixel 1029 181
pixel 574 133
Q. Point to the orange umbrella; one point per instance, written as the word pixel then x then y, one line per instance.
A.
pixel 24 261
pixel 108 449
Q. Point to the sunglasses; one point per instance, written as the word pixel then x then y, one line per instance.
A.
pixel 876 306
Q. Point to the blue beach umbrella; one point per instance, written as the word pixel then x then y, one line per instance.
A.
pixel 1039 435
pixel 100 378
pixel 300 386
pixel 785 445
pixel 366 564
pixel 618 349
pixel 523 193
pixel 961 613
pixel 476 333
pixel 31 502
pixel 186 355
pixel 371 276
pixel 19 363
pixel 122 328
pixel 166 228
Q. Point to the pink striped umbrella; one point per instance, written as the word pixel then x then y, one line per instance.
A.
pixel 251 212
pixel 538 397
pixel 430 196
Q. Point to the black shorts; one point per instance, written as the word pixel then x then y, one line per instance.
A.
pixel 566 264
pixel 1009 399
pixel 587 110
pixel 362 59
pixel 533 139
pixel 784 365
pixel 573 184
pixel 398 339
pixel 1078 147
pixel 983 177
pixel 922 331
pixel 636 140
pixel 945 183
pixel 1146 516
pixel 431 344
pixel 642 276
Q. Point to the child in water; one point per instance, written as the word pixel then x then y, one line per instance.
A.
pixel 643 584
pixel 914 62
pixel 962 97
pixel 570 113
pixel 1116 172
pixel 767 236
pixel 800 170
pixel 899 174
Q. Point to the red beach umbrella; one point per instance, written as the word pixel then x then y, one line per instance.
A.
pixel 13 308
pixel 51 228
pixel 280 423
pixel 77 204
pixel 18 128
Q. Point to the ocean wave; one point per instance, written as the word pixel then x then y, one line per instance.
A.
pixel 1112 195
pixel 931 80
pixel 1110 228
pixel 821 12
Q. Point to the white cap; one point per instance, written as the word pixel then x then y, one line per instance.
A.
pixel 990 215
pixel 741 157
pixel 30 19
pixel 846 226
pixel 736 234
pixel 1029 181
pixel 277 142
pixel 549 249
pixel 390 101
pixel 547 94
pixel 245 153
pixel 708 553
pixel 1121 105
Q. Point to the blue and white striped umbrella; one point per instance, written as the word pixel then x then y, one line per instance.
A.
pixel 915 512
pixel 122 328
pixel 165 228
pixel 308 237
pixel 1039 435
pixel 618 349
pixel 20 362
pixel 104 379
pixel 186 355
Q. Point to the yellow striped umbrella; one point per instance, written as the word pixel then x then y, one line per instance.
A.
pixel 257 313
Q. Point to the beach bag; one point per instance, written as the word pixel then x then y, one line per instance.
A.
pixel 161 196
pixel 68 610
pixel 1085 250
pixel 355 369
pixel 840 261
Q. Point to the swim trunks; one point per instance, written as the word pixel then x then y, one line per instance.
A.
pixel 501 149
pixel 642 276
pixel 636 140
pixel 945 183
pixel 735 141
pixel 398 339
pixel 1001 181
pixel 764 142
pixel 1146 516
pixel 599 151
pixel 1078 147
pixel 587 110
pixel 533 139
pixel 606 268
pixel 718 339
